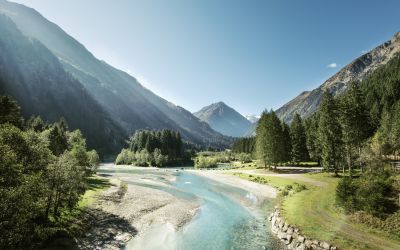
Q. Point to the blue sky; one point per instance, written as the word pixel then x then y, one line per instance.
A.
pixel 253 55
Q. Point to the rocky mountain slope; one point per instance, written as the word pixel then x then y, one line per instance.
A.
pixel 224 119
pixel 123 98
pixel 307 102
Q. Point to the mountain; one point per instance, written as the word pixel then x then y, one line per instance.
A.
pixel 252 118
pixel 33 76
pixel 126 101
pixel 224 119
pixel 307 102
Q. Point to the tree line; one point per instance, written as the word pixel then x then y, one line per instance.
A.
pixel 244 145
pixel 276 142
pixel 43 174
pixel 154 148
pixel 356 133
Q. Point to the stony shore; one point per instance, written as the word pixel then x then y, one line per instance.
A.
pixel 291 236
pixel 126 211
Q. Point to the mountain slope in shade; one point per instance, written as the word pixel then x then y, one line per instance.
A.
pixel 307 102
pixel 33 76
pixel 130 104
pixel 224 119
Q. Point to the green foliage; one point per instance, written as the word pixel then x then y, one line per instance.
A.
pixel 381 89
pixel 205 162
pixel 168 141
pixel 37 124
pixel 244 158
pixel 58 138
pixel 42 174
pixel 10 112
pixel 160 160
pixel 298 138
pixel 355 122
pixel 244 145
pixel 311 125
pixel 126 157
pixel 269 140
pixel 372 193
pixel 329 134
pixel 389 224
pixel 287 141
pixel 153 148
pixel 94 160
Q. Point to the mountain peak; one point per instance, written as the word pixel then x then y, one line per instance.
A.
pixel 219 104
pixel 224 119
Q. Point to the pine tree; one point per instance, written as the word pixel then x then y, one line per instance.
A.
pixel 287 141
pixel 330 134
pixel 10 112
pixel 299 140
pixel 269 140
pixel 354 120
pixel 313 146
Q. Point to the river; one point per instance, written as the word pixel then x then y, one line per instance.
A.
pixel 228 217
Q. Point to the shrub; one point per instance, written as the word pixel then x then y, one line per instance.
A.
pixel 299 187
pixel 370 193
pixel 205 162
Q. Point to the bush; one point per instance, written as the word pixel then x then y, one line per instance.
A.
pixel 370 193
pixel 126 157
pixel 390 224
pixel 205 162
pixel 299 187
pixel 244 158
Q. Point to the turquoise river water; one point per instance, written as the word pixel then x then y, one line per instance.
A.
pixel 221 222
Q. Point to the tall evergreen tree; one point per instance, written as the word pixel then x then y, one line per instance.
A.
pixel 330 134
pixel 354 119
pixel 313 146
pixel 299 140
pixel 58 138
pixel 287 142
pixel 10 112
pixel 269 139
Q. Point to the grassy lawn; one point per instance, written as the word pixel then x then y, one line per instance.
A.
pixel 314 212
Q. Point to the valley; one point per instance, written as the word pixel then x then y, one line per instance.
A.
pixel 193 142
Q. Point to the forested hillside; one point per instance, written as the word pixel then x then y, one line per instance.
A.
pixel 32 75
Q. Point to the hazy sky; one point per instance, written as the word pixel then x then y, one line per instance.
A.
pixel 250 54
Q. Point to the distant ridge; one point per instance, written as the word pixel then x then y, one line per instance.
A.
pixel 307 102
